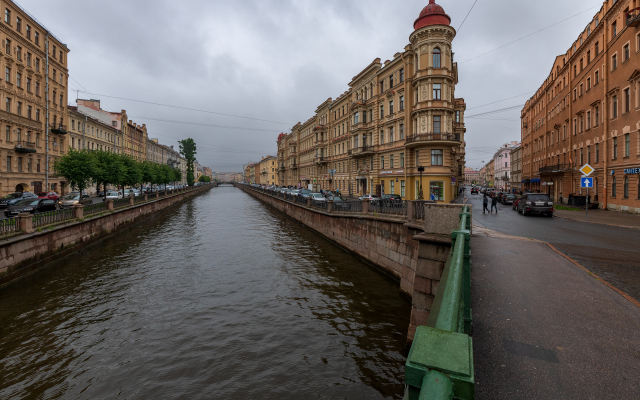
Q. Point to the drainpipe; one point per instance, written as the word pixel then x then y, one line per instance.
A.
pixel 46 51
pixel 605 109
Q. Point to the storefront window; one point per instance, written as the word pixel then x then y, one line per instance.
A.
pixel 437 189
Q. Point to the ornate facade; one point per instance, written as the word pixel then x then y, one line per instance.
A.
pixel 34 93
pixel 588 111
pixel 396 117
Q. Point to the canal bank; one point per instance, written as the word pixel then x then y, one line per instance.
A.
pixel 221 298
pixel 32 249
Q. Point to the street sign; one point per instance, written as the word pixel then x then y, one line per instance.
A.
pixel 586 182
pixel 586 170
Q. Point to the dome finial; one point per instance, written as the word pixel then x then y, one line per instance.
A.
pixel 432 1
pixel 432 14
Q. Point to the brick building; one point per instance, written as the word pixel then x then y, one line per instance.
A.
pixel 587 111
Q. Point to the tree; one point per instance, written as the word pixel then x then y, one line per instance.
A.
pixel 108 169
pixel 148 171
pixel 177 175
pixel 204 178
pixel 132 173
pixel 166 175
pixel 188 151
pixel 77 167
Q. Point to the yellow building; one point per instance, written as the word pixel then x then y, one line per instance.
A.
pixel 269 170
pixel 34 129
pixel 398 128
pixel 135 138
pixel 86 132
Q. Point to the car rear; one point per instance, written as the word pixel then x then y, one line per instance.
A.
pixel 539 204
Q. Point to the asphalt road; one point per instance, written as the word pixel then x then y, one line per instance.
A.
pixel 610 252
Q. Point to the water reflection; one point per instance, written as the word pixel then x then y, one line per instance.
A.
pixel 219 298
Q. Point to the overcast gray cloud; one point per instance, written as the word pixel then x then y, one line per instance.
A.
pixel 278 60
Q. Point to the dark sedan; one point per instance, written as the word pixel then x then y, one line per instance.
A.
pixel 535 203
pixel 31 206
pixel 13 198
pixel 474 190
pixel 508 199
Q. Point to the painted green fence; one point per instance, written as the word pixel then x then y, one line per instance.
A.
pixel 440 362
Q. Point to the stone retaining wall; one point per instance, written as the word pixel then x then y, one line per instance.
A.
pixel 23 254
pixel 413 252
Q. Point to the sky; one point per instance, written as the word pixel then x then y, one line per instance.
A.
pixel 237 73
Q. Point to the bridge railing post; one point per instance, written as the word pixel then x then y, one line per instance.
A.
pixel 365 206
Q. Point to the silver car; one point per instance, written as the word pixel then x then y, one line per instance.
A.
pixel 73 198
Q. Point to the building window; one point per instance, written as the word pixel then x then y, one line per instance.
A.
pixel 37 114
pixel 437 190
pixel 9 163
pixel 614 62
pixel 401 103
pixel 29 112
pixel 458 117
pixel 381 110
pixel 588 84
pixel 8 105
pixel 588 155
pixel 613 187
pixel 596 122
pixel 437 157
pixel 391 138
pixel 381 162
pixel 436 123
pixel 627 145
pixel 615 148
pixel 18 24
pixel 597 153
pixel 19 53
pixel 391 161
pixel 28 32
pixel 625 187
pixel 37 64
pixel 18 79
pixel 29 85
pixel 437 91
pixel 7 16
pixel 436 58
pixel 614 29
pixel 19 164
pixel 381 137
pixel 401 131
pixel 391 107
pixel 597 77
pixel 402 75
pixel 588 119
pixel 391 81
pixel 615 107
pixel 581 157
pixel 36 37
pixel 402 189
pixel 356 119
pixel 401 160
pixel 597 46
pixel 625 53
pixel 417 157
pixel 627 100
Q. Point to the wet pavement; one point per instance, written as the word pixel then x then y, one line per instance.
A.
pixel 546 329
pixel 610 252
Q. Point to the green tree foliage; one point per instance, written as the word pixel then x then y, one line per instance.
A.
pixel 77 167
pixel 108 168
pixel 204 178
pixel 148 171
pixel 188 151
pixel 177 175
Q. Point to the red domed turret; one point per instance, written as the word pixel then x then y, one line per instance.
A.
pixel 432 14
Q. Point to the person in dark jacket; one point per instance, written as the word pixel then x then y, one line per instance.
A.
pixel 485 203
pixel 494 203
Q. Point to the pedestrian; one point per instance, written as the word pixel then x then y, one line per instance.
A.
pixel 485 203
pixel 433 197
pixel 494 203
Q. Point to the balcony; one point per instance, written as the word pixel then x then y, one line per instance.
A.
pixel 59 129
pixel 362 151
pixel 555 169
pixel 633 17
pixel 453 138
pixel 321 142
pixel 25 147
pixel 282 168
pixel 321 160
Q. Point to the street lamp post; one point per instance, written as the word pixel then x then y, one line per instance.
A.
pixel 420 195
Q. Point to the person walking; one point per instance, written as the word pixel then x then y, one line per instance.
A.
pixel 433 197
pixel 485 203
pixel 494 203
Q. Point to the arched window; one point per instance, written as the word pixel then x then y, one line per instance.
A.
pixel 436 58
pixel 613 187
pixel 626 187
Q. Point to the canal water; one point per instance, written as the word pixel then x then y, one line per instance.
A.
pixel 219 298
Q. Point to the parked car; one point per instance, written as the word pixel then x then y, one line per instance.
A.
pixel 535 203
pixel 31 206
pixel 508 199
pixel 396 197
pixel 48 195
pixel 113 195
pixel 369 196
pixel 317 197
pixel 73 198
pixel 474 190
pixel 304 192
pixel 13 198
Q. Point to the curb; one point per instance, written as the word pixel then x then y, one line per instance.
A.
pixel 599 223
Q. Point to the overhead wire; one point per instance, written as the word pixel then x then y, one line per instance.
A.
pixel 465 18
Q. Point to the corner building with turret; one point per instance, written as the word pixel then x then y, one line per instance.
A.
pixel 398 129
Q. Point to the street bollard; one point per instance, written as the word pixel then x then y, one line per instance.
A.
pixel 78 211
pixel 365 206
pixel 329 206
pixel 25 222
pixel 131 199
pixel 410 210
pixel 110 205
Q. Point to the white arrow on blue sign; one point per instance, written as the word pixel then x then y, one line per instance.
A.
pixel 587 182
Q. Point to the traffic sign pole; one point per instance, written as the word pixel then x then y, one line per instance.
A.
pixel 587 208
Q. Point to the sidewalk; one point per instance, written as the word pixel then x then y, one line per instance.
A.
pixel 602 217
pixel 546 329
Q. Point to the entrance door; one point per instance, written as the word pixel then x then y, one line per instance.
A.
pixel 37 187
pixel 19 189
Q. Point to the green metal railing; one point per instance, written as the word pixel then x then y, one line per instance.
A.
pixel 440 362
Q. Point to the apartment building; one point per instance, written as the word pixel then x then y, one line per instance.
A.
pixel 587 111
pixel 269 170
pixel 135 138
pixel 516 168
pixel 502 166
pixel 471 176
pixel 397 129
pixel 34 128
pixel 88 132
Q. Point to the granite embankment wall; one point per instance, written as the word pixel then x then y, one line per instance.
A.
pixel 23 254
pixel 412 251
